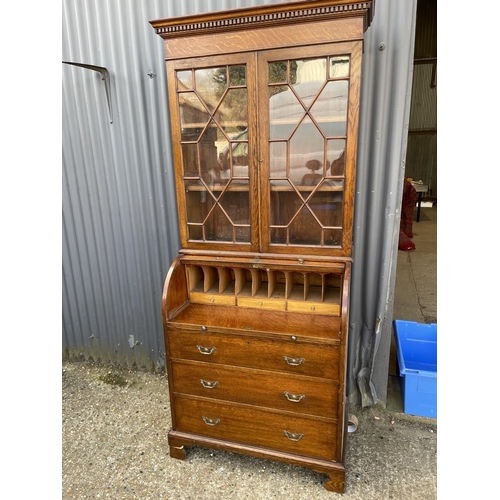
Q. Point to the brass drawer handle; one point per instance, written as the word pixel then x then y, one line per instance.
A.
pixel 293 361
pixel 210 421
pixel 293 437
pixel 207 384
pixel 205 350
pixel 294 398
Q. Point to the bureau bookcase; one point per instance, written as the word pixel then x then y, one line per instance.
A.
pixel 264 106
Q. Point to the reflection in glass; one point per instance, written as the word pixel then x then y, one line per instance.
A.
pixel 330 110
pixel 285 112
pixel 237 76
pixel 233 111
pixel 214 147
pixel 185 80
pixel 306 154
pixel 339 67
pixel 308 125
pixel 327 207
pixel 277 159
pixel 336 156
pixel 210 85
pixel 278 72
pixel 193 116
pixel 190 160
pixel 311 70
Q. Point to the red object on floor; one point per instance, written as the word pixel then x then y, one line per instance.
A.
pixel 407 208
pixel 406 224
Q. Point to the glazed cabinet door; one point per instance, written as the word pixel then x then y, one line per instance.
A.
pixel 308 114
pixel 212 104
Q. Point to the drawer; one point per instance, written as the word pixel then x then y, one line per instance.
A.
pixel 300 358
pixel 303 435
pixel 260 303
pixel 313 308
pixel 212 298
pixel 297 393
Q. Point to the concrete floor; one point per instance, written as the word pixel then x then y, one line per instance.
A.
pixel 415 295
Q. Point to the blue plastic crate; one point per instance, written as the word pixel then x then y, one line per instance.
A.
pixel 417 356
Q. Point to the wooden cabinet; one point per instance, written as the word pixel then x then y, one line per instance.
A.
pixel 264 108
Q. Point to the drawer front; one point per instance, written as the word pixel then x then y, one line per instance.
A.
pixel 210 298
pixel 313 396
pixel 309 436
pixel 301 358
pixel 276 304
pixel 316 307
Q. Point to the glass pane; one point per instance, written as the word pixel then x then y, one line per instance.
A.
pixel 339 67
pixel 305 230
pixel 233 115
pixel 237 76
pixel 218 227
pixel 184 80
pixel 327 206
pixel 277 160
pixel 307 91
pixel 195 232
pixel 190 160
pixel 194 116
pixel 209 161
pixel 235 202
pixel 233 158
pixel 306 154
pixel 336 156
pixel 330 110
pixel 198 201
pixel 285 203
pixel 333 237
pixel 210 85
pixel 277 234
pixel 311 70
pixel 285 112
pixel 242 234
pixel 278 72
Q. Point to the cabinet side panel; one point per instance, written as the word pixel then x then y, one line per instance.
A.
pixel 352 145
pixel 175 292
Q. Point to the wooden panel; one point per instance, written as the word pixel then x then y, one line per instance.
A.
pixel 309 436
pixel 320 327
pixel 299 358
pixel 265 38
pixel 314 396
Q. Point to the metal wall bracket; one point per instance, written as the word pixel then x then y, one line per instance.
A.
pixel 104 77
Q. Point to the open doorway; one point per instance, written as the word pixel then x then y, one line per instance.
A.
pixel 415 294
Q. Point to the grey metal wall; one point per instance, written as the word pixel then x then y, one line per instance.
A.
pixel 120 230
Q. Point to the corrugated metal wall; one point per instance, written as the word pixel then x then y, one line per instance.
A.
pixel 120 230
pixel 421 158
